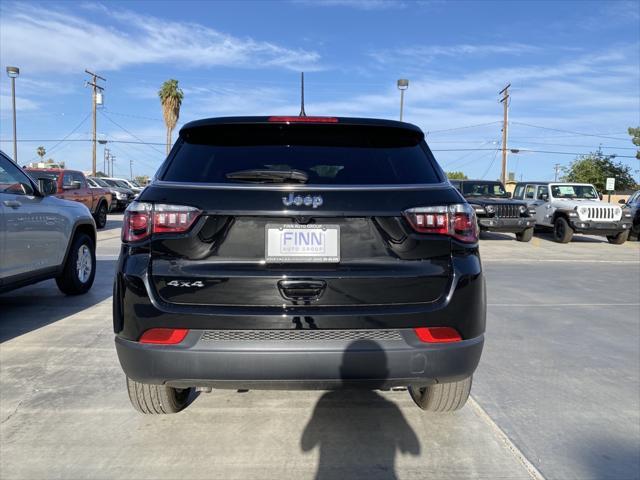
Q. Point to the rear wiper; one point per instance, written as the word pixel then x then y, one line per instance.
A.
pixel 268 175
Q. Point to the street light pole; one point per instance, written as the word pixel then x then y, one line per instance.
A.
pixel 403 84
pixel 13 73
pixel 505 125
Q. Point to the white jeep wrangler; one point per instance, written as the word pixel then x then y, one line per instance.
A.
pixel 570 208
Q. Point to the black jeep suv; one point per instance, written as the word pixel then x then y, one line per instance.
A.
pixel 495 210
pixel 268 250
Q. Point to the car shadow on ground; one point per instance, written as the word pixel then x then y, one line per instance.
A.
pixel 612 458
pixel 358 432
pixel 112 223
pixel 497 236
pixel 29 308
pixel 548 236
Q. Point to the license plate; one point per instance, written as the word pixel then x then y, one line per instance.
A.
pixel 302 243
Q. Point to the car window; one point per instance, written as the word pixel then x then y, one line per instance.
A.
pixel 328 154
pixel 12 180
pixel 67 179
pixel 483 189
pixel 519 191
pixel 542 190
pixel 586 192
pixel 78 177
pixel 38 174
pixel 529 192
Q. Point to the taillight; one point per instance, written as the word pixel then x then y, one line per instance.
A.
pixel 164 336
pixel 457 221
pixel 437 334
pixel 303 119
pixel 143 219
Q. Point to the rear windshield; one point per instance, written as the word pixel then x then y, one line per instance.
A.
pixel 327 154
pixel 38 174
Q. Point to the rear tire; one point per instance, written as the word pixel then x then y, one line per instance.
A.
pixel 442 397
pixel 525 236
pixel 157 399
pixel 618 239
pixel 80 268
pixel 101 215
pixel 562 231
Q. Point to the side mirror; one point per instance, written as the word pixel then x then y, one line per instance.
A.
pixel 509 194
pixel 600 196
pixel 544 197
pixel 622 201
pixel 73 186
pixel 47 186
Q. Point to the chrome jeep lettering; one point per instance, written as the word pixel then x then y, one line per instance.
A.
pixel 313 201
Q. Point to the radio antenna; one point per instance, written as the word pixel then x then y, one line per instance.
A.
pixel 302 112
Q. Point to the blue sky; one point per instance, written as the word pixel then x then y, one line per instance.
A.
pixel 574 68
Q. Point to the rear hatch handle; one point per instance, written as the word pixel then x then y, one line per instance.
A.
pixel 302 290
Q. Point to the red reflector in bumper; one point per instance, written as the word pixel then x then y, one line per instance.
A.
pixel 437 334
pixel 164 336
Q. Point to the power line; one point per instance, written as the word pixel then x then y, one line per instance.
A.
pixel 566 131
pixel 111 112
pixel 127 131
pixel 461 128
pixel 495 155
pixel 64 139
pixel 81 140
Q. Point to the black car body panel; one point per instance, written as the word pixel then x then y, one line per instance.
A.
pixel 217 277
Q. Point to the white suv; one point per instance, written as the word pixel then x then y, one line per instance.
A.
pixel 570 208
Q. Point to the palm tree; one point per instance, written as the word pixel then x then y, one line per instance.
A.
pixel 41 151
pixel 171 99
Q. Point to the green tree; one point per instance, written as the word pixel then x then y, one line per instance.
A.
pixel 635 138
pixel 595 168
pixel 456 175
pixel 41 152
pixel 171 99
pixel 142 180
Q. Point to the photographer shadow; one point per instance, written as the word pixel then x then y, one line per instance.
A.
pixel 359 432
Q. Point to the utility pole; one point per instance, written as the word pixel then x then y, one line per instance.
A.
pixel 131 170
pixel 94 95
pixel 505 122
pixel 113 159
pixel 105 161
pixel 556 167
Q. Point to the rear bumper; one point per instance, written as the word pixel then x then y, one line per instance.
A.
pixel 299 364
pixel 600 228
pixel 506 224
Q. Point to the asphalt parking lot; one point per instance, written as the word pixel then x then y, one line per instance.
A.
pixel 557 393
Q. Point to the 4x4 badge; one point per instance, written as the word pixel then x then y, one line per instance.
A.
pixel 298 200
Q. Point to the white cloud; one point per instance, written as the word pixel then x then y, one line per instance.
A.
pixel 59 41
pixel 356 4
pixel 22 104
pixel 427 53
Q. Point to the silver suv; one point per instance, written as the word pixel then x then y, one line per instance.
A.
pixel 570 208
pixel 41 236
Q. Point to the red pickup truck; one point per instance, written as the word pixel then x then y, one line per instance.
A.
pixel 72 185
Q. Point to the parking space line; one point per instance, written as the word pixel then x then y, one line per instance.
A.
pixel 559 260
pixel 563 304
pixel 533 472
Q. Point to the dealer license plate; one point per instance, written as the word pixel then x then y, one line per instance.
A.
pixel 302 243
